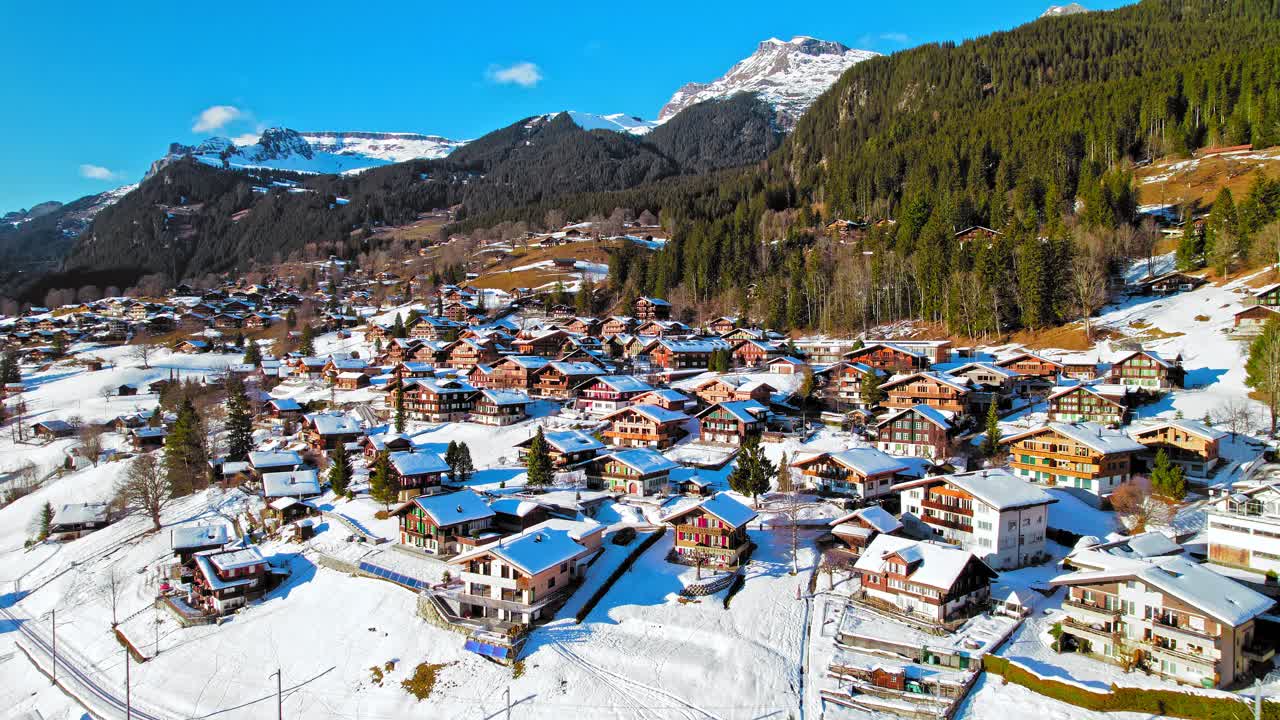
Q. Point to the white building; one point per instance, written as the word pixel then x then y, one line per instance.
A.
pixel 994 514
pixel 1244 528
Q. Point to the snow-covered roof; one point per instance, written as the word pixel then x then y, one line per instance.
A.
pixel 941 418
pixel 516 507
pixel 537 549
pixel 455 507
pixel 194 536
pixel 1193 427
pixel 506 397
pixel 528 362
pixel 1192 583
pixel 996 487
pixel 285 404
pixel 80 514
pixel 874 515
pixel 298 483
pixel 743 410
pixel 334 423
pixel 274 459
pixel 723 506
pixel 417 463
pixel 576 368
pixel 655 413
pixel 938 565
pixel 570 441
pixel 645 461
pixel 625 383
pixel 235 559
pixel 1092 435
pixel 864 460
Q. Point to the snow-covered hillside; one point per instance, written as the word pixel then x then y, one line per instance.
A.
pixel 789 75
pixel 1060 10
pixel 617 122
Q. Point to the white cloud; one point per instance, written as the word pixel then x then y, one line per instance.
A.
pixel 215 117
pixel 524 74
pixel 895 37
pixel 96 172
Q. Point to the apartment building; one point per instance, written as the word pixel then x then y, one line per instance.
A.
pixel 993 513
pixel 1087 457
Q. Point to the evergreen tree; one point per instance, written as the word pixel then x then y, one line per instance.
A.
pixel 45 520
pixel 339 471
pixel 185 453
pixel 991 439
pixel 1168 480
pixel 10 371
pixel 398 330
pixel 458 458
pixel 59 344
pixel 753 475
pixel 382 487
pixel 291 319
pixel 252 354
pixel 308 345
pixel 872 394
pixel 399 418
pixel 1262 368
pixel 239 422
pixel 538 462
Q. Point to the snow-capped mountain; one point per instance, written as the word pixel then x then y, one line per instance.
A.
pixel 617 122
pixel 789 75
pixel 1069 9
pixel 315 152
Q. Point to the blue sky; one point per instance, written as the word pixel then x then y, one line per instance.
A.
pixel 95 91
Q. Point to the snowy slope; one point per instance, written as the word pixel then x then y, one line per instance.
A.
pixel 617 122
pixel 1060 10
pixel 316 152
pixel 789 75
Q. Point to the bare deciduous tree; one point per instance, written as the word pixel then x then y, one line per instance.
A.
pixel 146 487
pixel 111 585
pixel 91 441
pixel 142 350
pixel 1236 415
pixel 1088 280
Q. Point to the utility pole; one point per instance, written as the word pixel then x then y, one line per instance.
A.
pixel 508 696
pixel 279 695
pixel 1257 700
pixel 128 689
pixel 55 646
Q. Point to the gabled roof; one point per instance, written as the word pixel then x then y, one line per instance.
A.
pixel 625 383
pixel 1194 427
pixel 455 507
pixel 334 423
pixel 989 367
pixel 417 463
pixel 506 397
pixel 874 515
pixel 1217 595
pixel 1092 435
pixel 655 413
pixel 567 441
pixel 645 461
pixel 996 487
pixel 941 418
pixel 1149 353
pixel 939 566
pixel 723 506
pixel 960 384
pixel 746 411
pixel 296 483
pixel 537 549
pixel 863 460
pixel 194 536
pixel 274 459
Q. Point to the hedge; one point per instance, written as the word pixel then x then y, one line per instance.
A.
pixel 598 595
pixel 1170 703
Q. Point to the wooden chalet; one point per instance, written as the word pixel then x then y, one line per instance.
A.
pixel 936 390
pixel 888 357
pixel 864 472
pixel 651 308
pixel 731 423
pixel 857 529
pixel 438 400
pixel 918 431
pixel 227 579
pixel 567 448
pixel 936 583
pixel 446 523
pixel 1027 363
pixel 1192 445
pixel 645 426
pixel 1083 456
pixel 500 407
pixel 639 472
pixel 685 354
pixel 416 473
pixel 1102 404
pixel 713 531
pixel 561 380
pixel 732 388
pixel 1146 370
pixel 547 343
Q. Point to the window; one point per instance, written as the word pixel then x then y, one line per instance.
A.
pixel 551 583
pixel 564 567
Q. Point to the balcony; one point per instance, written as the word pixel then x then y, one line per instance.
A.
pixel 1169 627
pixel 1091 613
pixel 1078 627
pixel 944 507
pixel 958 526
pixel 1204 660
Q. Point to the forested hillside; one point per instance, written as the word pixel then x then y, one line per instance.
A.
pixel 191 219
pixel 1032 131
